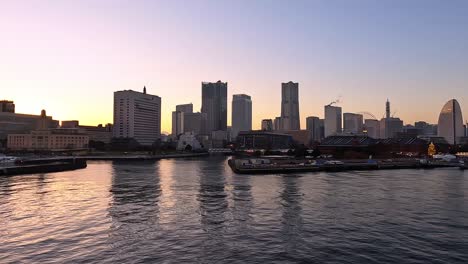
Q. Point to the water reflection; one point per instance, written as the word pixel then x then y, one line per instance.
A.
pixel 291 221
pixel 213 206
pixel 212 196
pixel 135 192
pixel 242 203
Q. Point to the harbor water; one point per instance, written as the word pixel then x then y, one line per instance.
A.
pixel 196 210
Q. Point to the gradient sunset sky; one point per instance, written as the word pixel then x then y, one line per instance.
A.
pixel 68 57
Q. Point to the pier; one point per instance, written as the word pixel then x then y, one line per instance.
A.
pixel 274 166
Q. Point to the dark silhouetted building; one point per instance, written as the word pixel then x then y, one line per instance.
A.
pixel 263 140
pixel 290 106
pixel 7 106
pixel 313 125
pixel 267 125
pixel 214 105
pixel 14 123
pixel 353 123
pixel 241 114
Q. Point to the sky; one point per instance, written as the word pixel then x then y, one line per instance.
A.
pixel 68 57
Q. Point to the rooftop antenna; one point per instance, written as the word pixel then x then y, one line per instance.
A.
pixel 144 89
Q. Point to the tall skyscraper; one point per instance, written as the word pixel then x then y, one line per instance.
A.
pixel 333 120
pixel 290 106
pixel 267 124
pixel 214 105
pixel 313 125
pixel 241 114
pixel 138 116
pixel 185 108
pixel 353 123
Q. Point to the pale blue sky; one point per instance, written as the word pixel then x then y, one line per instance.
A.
pixel 69 56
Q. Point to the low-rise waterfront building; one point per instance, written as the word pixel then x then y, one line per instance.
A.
pixel 301 137
pixel 263 140
pixel 99 133
pixel 14 123
pixel 59 139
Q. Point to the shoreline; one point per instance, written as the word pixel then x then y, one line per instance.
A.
pixel 59 164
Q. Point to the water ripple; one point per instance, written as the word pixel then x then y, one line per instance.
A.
pixel 198 211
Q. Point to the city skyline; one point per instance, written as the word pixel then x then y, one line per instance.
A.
pixel 85 51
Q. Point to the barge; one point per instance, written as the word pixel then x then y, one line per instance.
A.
pixel 43 167
pixel 274 166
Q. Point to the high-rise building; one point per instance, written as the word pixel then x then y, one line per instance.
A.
pixel 278 123
pixel 195 123
pixel 313 125
pixel 333 120
pixel 177 123
pixel 267 125
pixel 353 123
pixel 138 116
pixel 372 127
pixel 178 118
pixel 290 106
pixel 214 105
pixel 185 108
pixel 390 127
pixel 450 124
pixel 241 114
pixel 322 128
pixel 7 106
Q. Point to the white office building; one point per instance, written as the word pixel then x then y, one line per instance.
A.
pixel 137 115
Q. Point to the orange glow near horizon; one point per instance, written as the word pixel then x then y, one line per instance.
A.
pixel 69 57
